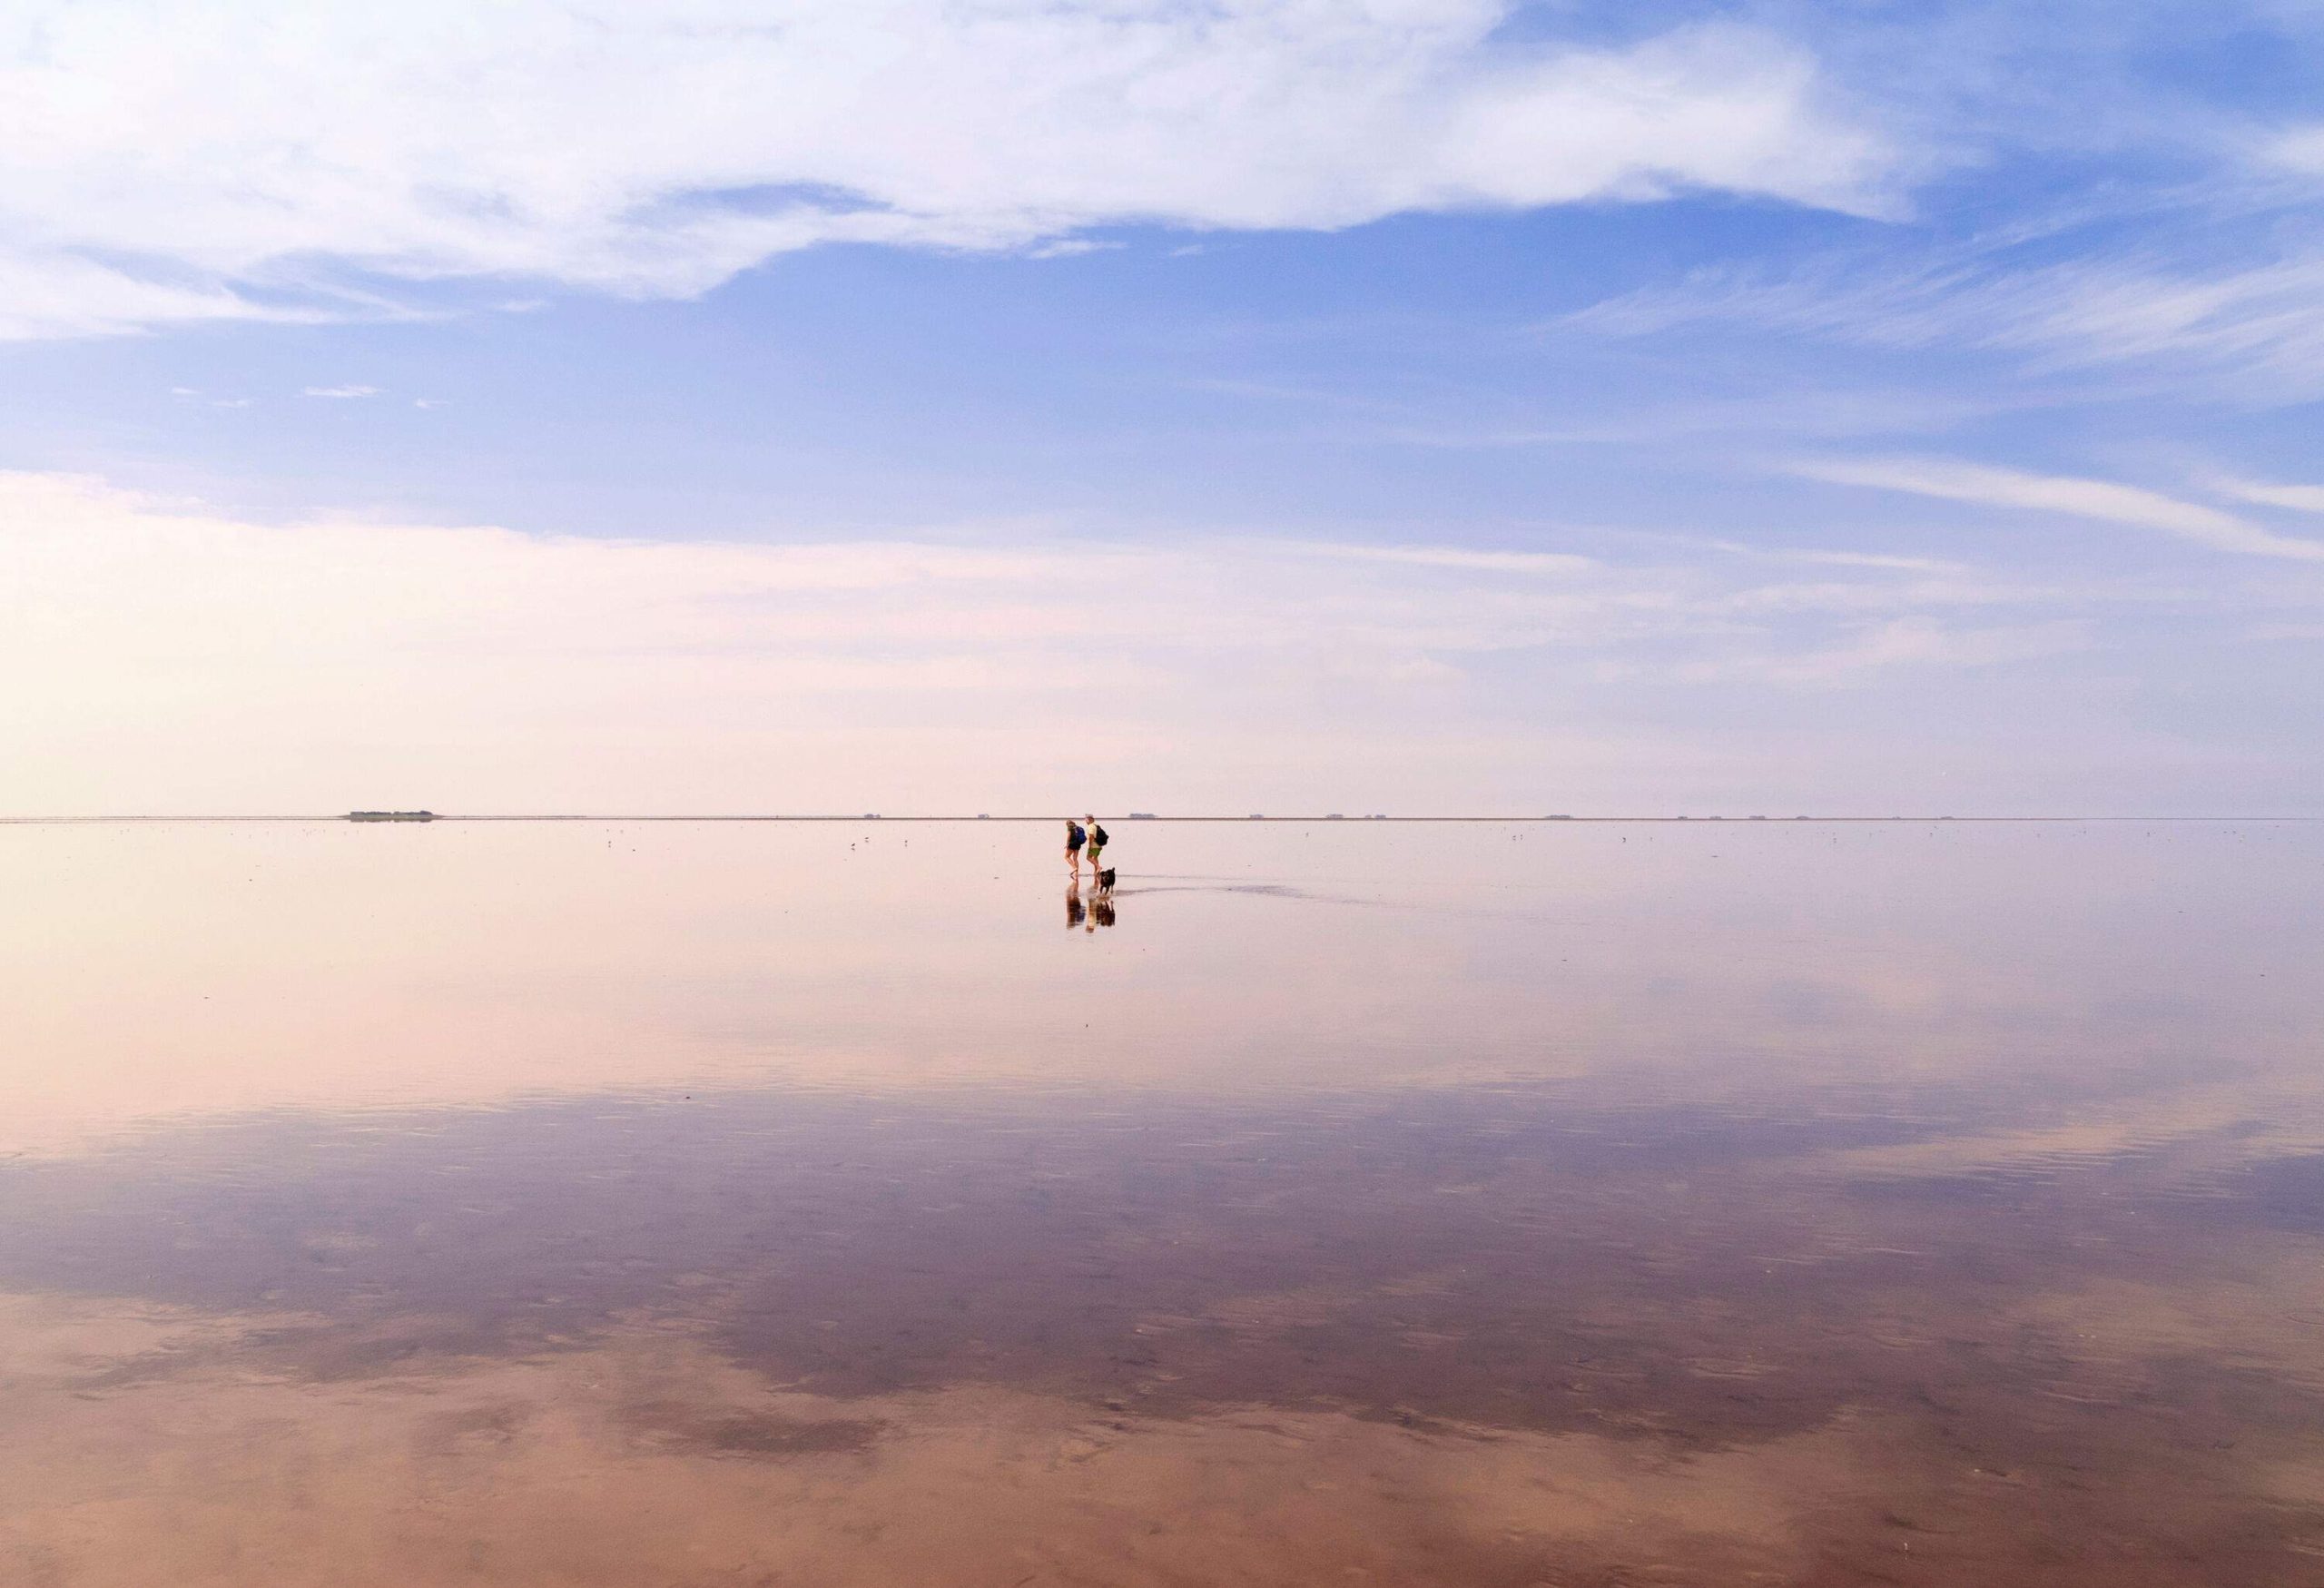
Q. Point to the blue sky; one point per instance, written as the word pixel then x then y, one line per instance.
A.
pixel 1420 404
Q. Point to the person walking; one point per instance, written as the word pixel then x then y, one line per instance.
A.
pixel 1097 843
pixel 1073 839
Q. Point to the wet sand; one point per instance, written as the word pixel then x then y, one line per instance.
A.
pixel 1944 1208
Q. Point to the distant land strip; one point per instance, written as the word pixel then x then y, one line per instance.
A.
pixel 430 817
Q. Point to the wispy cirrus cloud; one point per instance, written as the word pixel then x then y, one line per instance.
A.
pixel 2300 149
pixel 343 393
pixel 2301 499
pixel 46 291
pixel 2103 500
pixel 1465 557
pixel 2261 318
pixel 239 665
pixel 1921 642
pixel 1860 560
pixel 169 166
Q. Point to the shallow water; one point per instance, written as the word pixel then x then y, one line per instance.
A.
pixel 1593 1203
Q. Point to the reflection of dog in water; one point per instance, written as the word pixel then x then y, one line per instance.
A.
pixel 1101 910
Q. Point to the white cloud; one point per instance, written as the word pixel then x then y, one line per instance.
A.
pixel 1464 558
pixel 243 665
pixel 190 660
pixel 2303 498
pixel 2300 149
pixel 2083 498
pixel 2261 320
pixel 177 164
pixel 339 392
pixel 1069 247
pixel 46 292
pixel 1858 559
pixel 1902 642
pixel 2267 316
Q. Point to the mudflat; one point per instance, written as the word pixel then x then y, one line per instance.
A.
pixel 1576 1204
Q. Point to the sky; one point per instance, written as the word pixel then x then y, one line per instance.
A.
pixel 1412 405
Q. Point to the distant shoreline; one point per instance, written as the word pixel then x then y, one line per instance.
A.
pixel 343 818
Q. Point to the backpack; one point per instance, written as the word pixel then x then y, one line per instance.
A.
pixel 1074 834
pixel 1097 836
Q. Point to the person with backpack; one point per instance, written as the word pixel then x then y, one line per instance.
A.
pixel 1097 841
pixel 1073 837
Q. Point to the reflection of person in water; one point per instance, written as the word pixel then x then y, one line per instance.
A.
pixel 1098 911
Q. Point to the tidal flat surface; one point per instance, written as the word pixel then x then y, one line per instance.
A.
pixel 618 1204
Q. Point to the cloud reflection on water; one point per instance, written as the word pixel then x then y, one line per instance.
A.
pixel 1456 1204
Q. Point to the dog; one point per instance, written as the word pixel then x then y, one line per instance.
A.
pixel 1106 883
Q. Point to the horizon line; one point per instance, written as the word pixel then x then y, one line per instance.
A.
pixel 425 818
